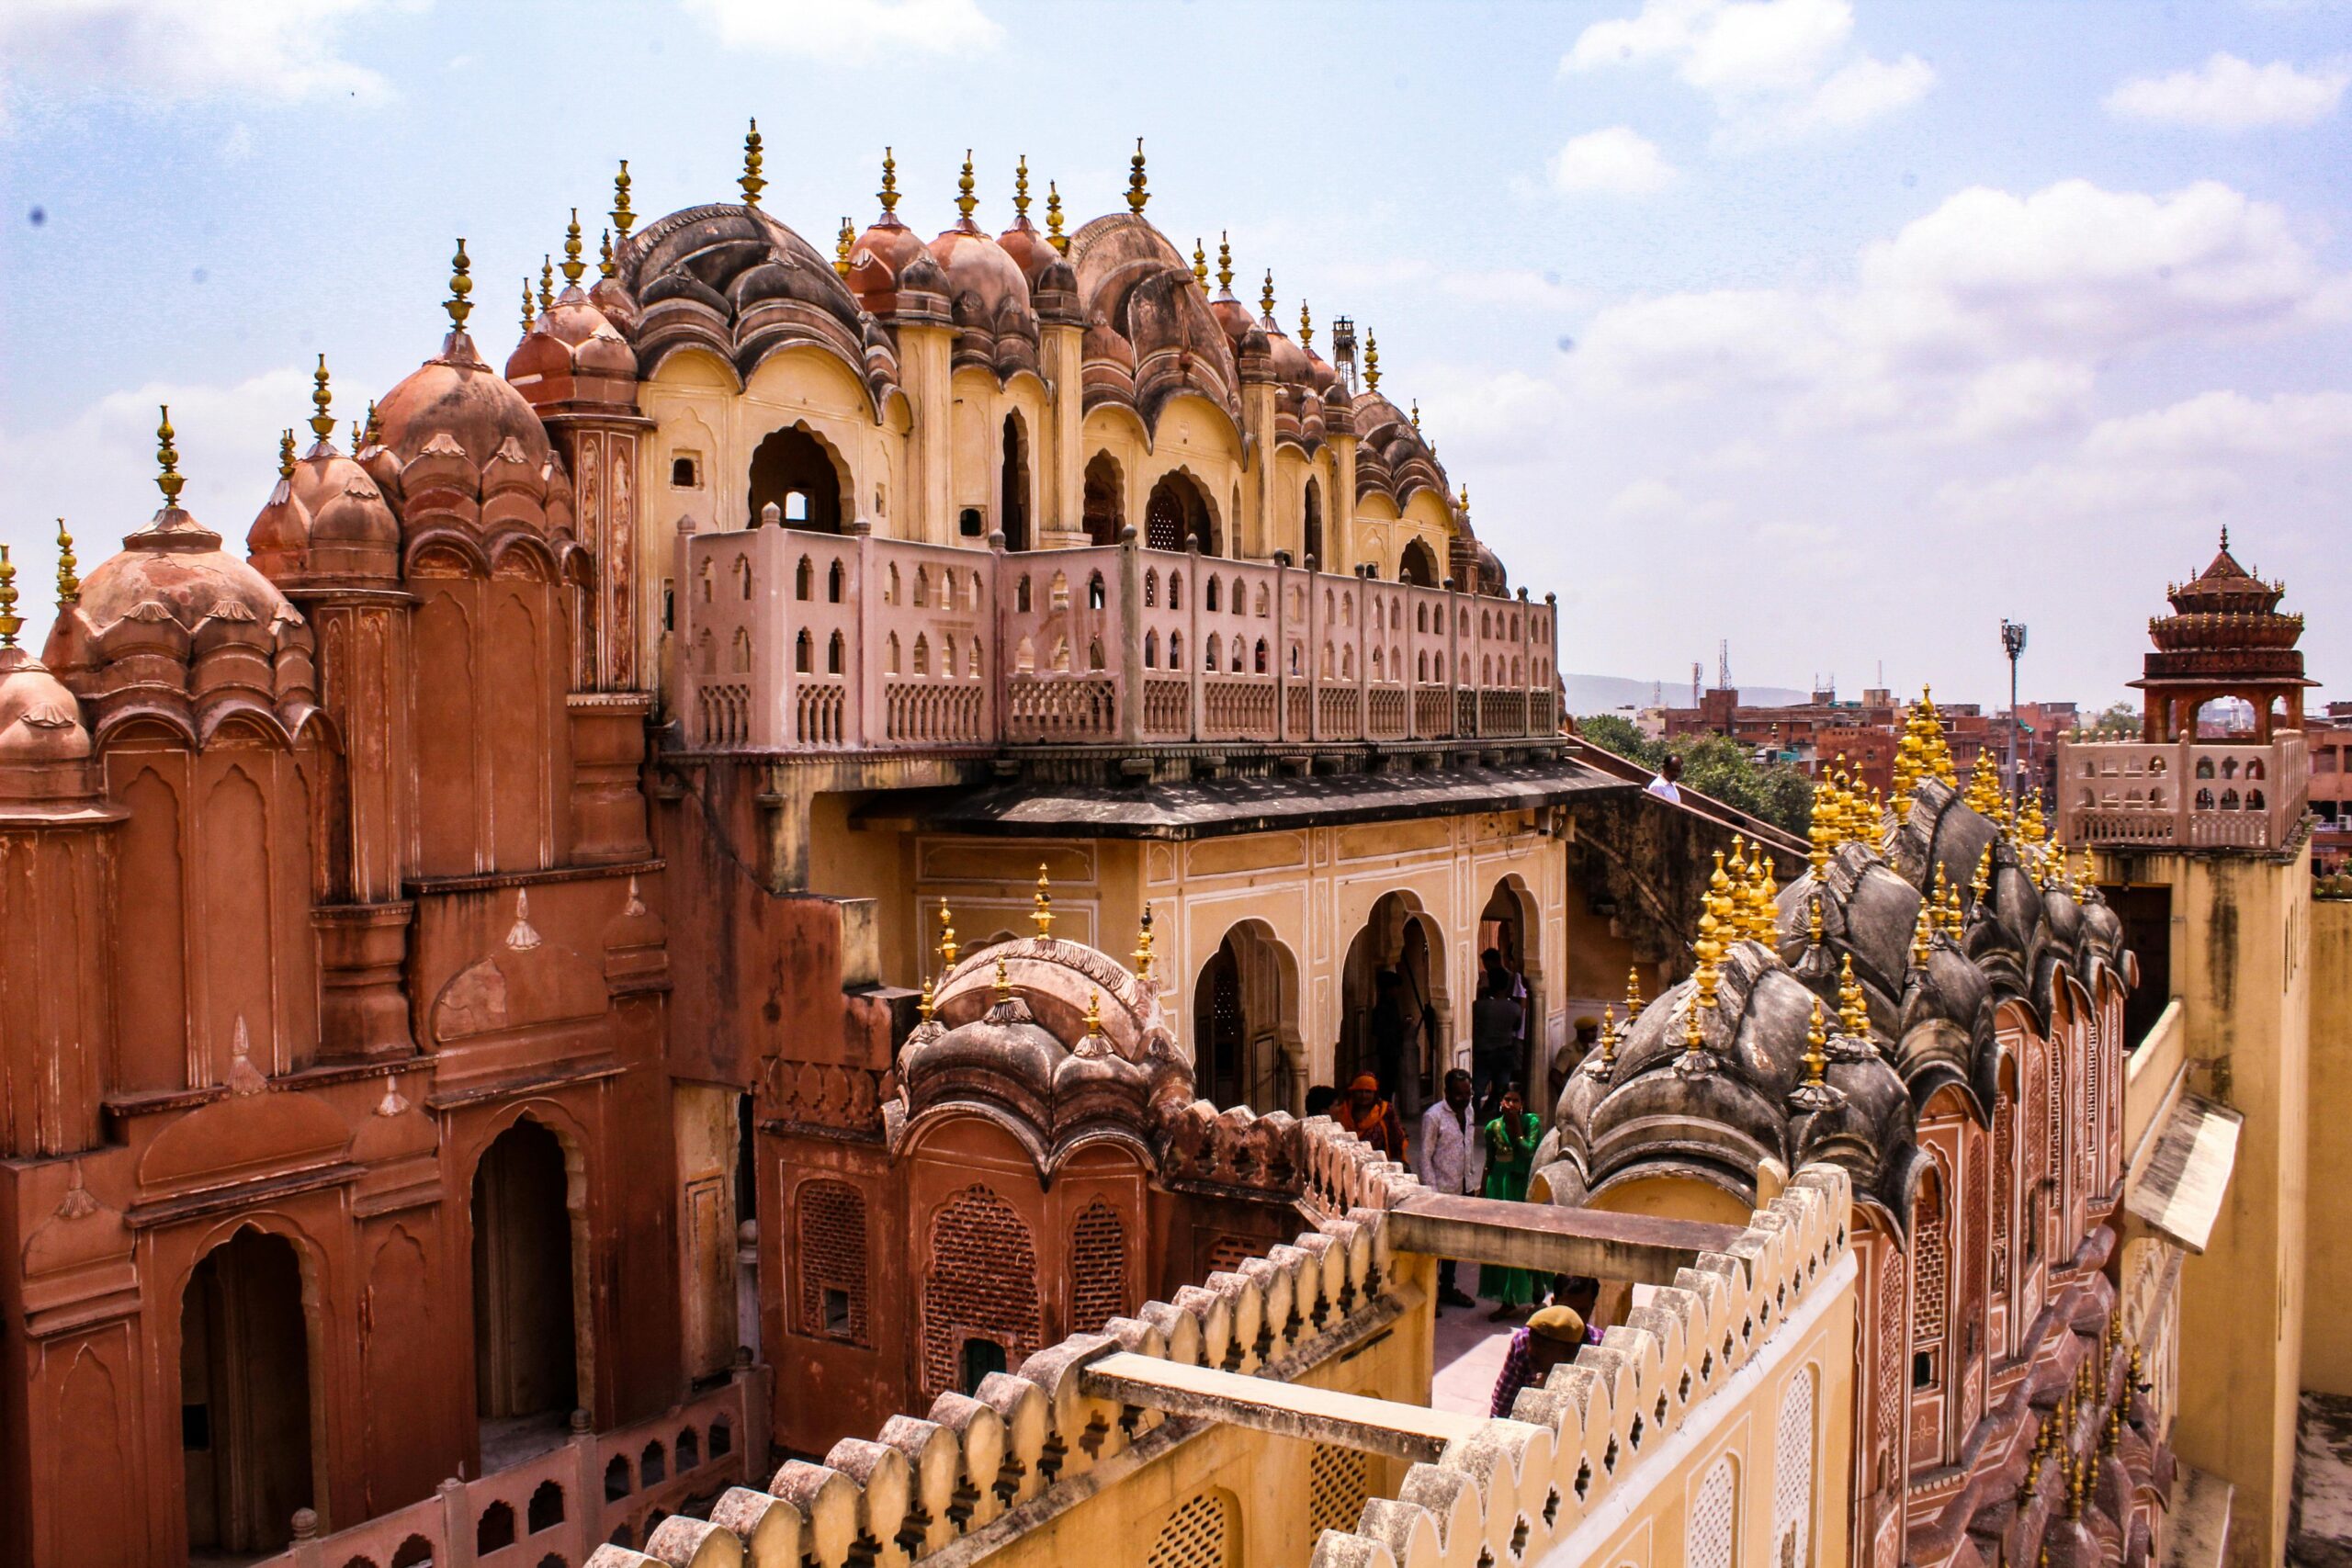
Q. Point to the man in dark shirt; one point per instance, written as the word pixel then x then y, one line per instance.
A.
pixel 1494 1043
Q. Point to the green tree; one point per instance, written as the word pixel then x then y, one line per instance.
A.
pixel 1715 765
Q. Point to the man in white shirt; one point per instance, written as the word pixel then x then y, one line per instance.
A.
pixel 1663 785
pixel 1450 1156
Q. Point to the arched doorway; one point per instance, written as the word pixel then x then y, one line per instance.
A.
pixel 525 1350
pixel 1507 927
pixel 792 469
pixel 1416 565
pixel 1013 502
pixel 1392 1010
pixel 1178 512
pixel 1311 530
pixel 1247 1049
pixel 1105 509
pixel 246 1395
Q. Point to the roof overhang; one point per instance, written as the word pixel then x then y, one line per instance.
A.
pixel 2178 1182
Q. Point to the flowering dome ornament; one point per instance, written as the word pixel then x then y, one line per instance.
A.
pixel 1816 1093
pixel 1041 909
pixel 1852 1040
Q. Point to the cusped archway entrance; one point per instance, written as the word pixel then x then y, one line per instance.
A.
pixel 245 1396
pixel 792 470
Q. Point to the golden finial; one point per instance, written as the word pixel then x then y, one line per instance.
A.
pixel 572 266
pixel 1224 262
pixel 1094 1012
pixel 528 314
pixel 1042 906
pixel 321 422
pixel 930 1002
pixel 1137 192
pixel 546 282
pixel 844 242
pixel 1693 1060
pixel 623 218
pixel 1200 263
pixel 1710 944
pixel 888 194
pixel 358 435
pixel 751 182
pixel 2032 1481
pixel 1370 361
pixel 1980 886
pixel 1609 1036
pixel 286 453
pixel 1417 416
pixel 1813 918
pixel 69 586
pixel 1021 189
pixel 167 456
pixel 965 200
pixel 606 265
pixel 375 425
pixel 1002 984
pixel 1632 993
pixel 10 622
pixel 1924 929
pixel 1306 326
pixel 1142 953
pixel 1266 296
pixel 1853 1007
pixel 1053 235
pixel 1815 1093
pixel 462 284
pixel 947 938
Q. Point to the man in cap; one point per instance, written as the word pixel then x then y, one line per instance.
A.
pixel 1551 1336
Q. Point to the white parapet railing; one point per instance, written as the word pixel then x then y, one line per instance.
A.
pixel 2182 793
pixel 790 640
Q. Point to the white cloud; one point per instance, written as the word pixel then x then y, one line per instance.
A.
pixel 1516 288
pixel 2021 397
pixel 173 52
pixel 1616 162
pixel 2222 425
pixel 850 32
pixel 1775 69
pixel 1491 419
pixel 2230 93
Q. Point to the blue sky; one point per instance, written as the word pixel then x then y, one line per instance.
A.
pixel 1840 331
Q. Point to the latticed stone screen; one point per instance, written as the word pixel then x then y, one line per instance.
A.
pixel 1335 1488
pixel 1892 1347
pixel 1198 1535
pixel 1931 1283
pixel 982 1284
pixel 1713 1512
pixel 2005 1154
pixel 1098 1268
pixel 1793 1474
pixel 1229 1252
pixel 830 1243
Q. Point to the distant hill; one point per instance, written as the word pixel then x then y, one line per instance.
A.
pixel 1600 694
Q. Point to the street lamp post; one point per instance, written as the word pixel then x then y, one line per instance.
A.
pixel 2013 644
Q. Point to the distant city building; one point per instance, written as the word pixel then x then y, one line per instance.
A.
pixel 1812 735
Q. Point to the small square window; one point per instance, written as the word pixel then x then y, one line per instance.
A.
pixel 1923 1369
pixel 685 472
pixel 669 606
pixel 969 523
pixel 837 1323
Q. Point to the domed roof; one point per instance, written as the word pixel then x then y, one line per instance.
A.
pixel 988 295
pixel 456 395
pixel 343 501
pixel 176 568
pixel 1135 286
pixel 1058 1043
pixel 574 338
pixel 41 721
pixel 1401 459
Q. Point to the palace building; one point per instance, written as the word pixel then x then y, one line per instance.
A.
pixel 708 948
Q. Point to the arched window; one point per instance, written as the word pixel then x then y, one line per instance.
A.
pixel 829 1253
pixel 1241 652
pixel 1057 593
pixel 1021 594
pixel 1175 589
pixel 1151 651
pixel 792 470
pixel 1311 523
pixel 922 654
pixel 1215 648
pixel 1013 501
pixel 1209 593
pixel 1175 651
pixel 947 658
pixel 1094 654
pixel 1261 658
pixel 833 654
pixel 1416 565
pixel 1793 1474
pixel 977 1236
pixel 1098 1268
pixel 1176 513
pixel 741 649
pixel 922 586
pixel 833 583
pixel 1151 590
pixel 1096 594
pixel 891 655
pixel 1711 1541
pixel 1106 507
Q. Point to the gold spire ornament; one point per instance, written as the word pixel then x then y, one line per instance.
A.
pixel 1853 1008
pixel 1138 192
pixel 11 623
pixel 286 453
pixel 1923 932
pixel 965 200
pixel 1224 263
pixel 69 586
pixel 1020 192
pixel 375 425
pixel 888 194
pixel 358 435
pixel 1200 262
pixel 1002 984
pixel 606 265
pixel 1602 1063
pixel 1042 907
pixel 1694 1062
pixel 623 218
pixel 844 242
pixel 322 401
pixel 1370 361
pixel 546 282
pixel 751 182
pixel 1053 235
pixel 1094 1012
pixel 1266 297
pixel 947 938
pixel 167 459
pixel 462 284
pixel 1417 416
pixel 1142 954
pixel 929 1005
pixel 529 313
pixel 573 267
pixel 1815 1094
pixel 1306 326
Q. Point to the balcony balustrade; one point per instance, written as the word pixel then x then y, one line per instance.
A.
pixel 803 641
pixel 2182 793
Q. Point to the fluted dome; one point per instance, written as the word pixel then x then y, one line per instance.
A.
pixel 988 295
pixel 176 568
pixel 1136 288
pixel 41 721
pixel 456 395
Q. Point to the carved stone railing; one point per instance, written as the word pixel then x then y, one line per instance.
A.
pixel 795 640
pixel 2182 793
pixel 593 1488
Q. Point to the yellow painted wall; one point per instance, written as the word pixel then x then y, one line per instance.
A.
pixel 2327 1323
pixel 2241 963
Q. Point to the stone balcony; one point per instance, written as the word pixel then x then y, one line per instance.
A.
pixel 794 641
pixel 2183 793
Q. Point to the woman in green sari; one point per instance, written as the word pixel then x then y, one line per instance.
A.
pixel 1511 1139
